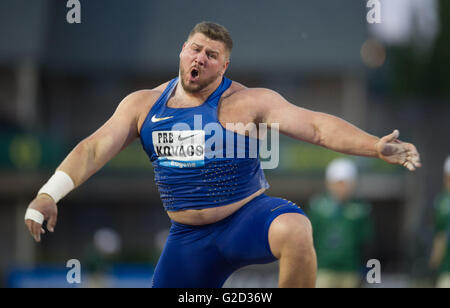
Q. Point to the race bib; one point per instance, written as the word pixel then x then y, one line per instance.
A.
pixel 180 149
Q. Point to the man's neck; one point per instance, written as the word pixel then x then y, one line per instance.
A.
pixel 198 97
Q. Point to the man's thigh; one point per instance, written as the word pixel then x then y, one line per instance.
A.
pixel 191 262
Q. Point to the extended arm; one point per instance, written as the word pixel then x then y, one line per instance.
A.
pixel 330 131
pixel 91 154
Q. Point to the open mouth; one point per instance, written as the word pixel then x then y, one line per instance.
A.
pixel 194 73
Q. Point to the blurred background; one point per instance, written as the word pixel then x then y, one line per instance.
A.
pixel 59 82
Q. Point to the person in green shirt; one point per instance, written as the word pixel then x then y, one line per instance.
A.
pixel 342 226
pixel 440 255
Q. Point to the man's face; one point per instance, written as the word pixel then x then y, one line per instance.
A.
pixel 447 182
pixel 341 190
pixel 202 61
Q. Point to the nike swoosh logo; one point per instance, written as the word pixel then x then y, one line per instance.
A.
pixel 187 137
pixel 155 119
pixel 277 207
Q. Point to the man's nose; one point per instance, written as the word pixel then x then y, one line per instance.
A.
pixel 201 59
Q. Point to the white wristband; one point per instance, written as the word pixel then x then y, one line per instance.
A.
pixel 59 185
pixel 34 216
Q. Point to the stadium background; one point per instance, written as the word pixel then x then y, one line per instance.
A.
pixel 59 82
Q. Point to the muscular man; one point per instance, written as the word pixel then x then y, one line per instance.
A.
pixel 221 218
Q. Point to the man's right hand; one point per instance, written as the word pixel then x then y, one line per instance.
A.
pixel 47 207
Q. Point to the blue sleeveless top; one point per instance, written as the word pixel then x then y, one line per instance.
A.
pixel 197 162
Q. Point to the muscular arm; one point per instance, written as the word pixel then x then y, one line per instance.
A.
pixel 327 130
pixel 317 128
pixel 92 153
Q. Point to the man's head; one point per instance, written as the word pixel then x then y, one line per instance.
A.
pixel 447 174
pixel 341 178
pixel 205 56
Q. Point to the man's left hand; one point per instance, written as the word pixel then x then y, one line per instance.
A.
pixel 394 151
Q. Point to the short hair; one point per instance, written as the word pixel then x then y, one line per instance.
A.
pixel 215 32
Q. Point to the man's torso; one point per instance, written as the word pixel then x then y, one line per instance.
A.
pixel 234 107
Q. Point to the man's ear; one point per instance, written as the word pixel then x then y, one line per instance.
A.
pixel 182 48
pixel 225 66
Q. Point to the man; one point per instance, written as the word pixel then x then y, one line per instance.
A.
pixel 221 218
pixel 342 227
pixel 440 255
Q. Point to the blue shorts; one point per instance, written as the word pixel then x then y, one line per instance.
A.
pixel 205 256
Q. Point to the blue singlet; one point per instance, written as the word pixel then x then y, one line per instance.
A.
pixel 200 164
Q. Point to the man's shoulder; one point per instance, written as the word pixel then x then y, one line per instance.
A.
pixel 147 94
pixel 144 97
pixel 239 93
pixel 237 89
pixel 141 96
pixel 234 88
pixel 137 104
